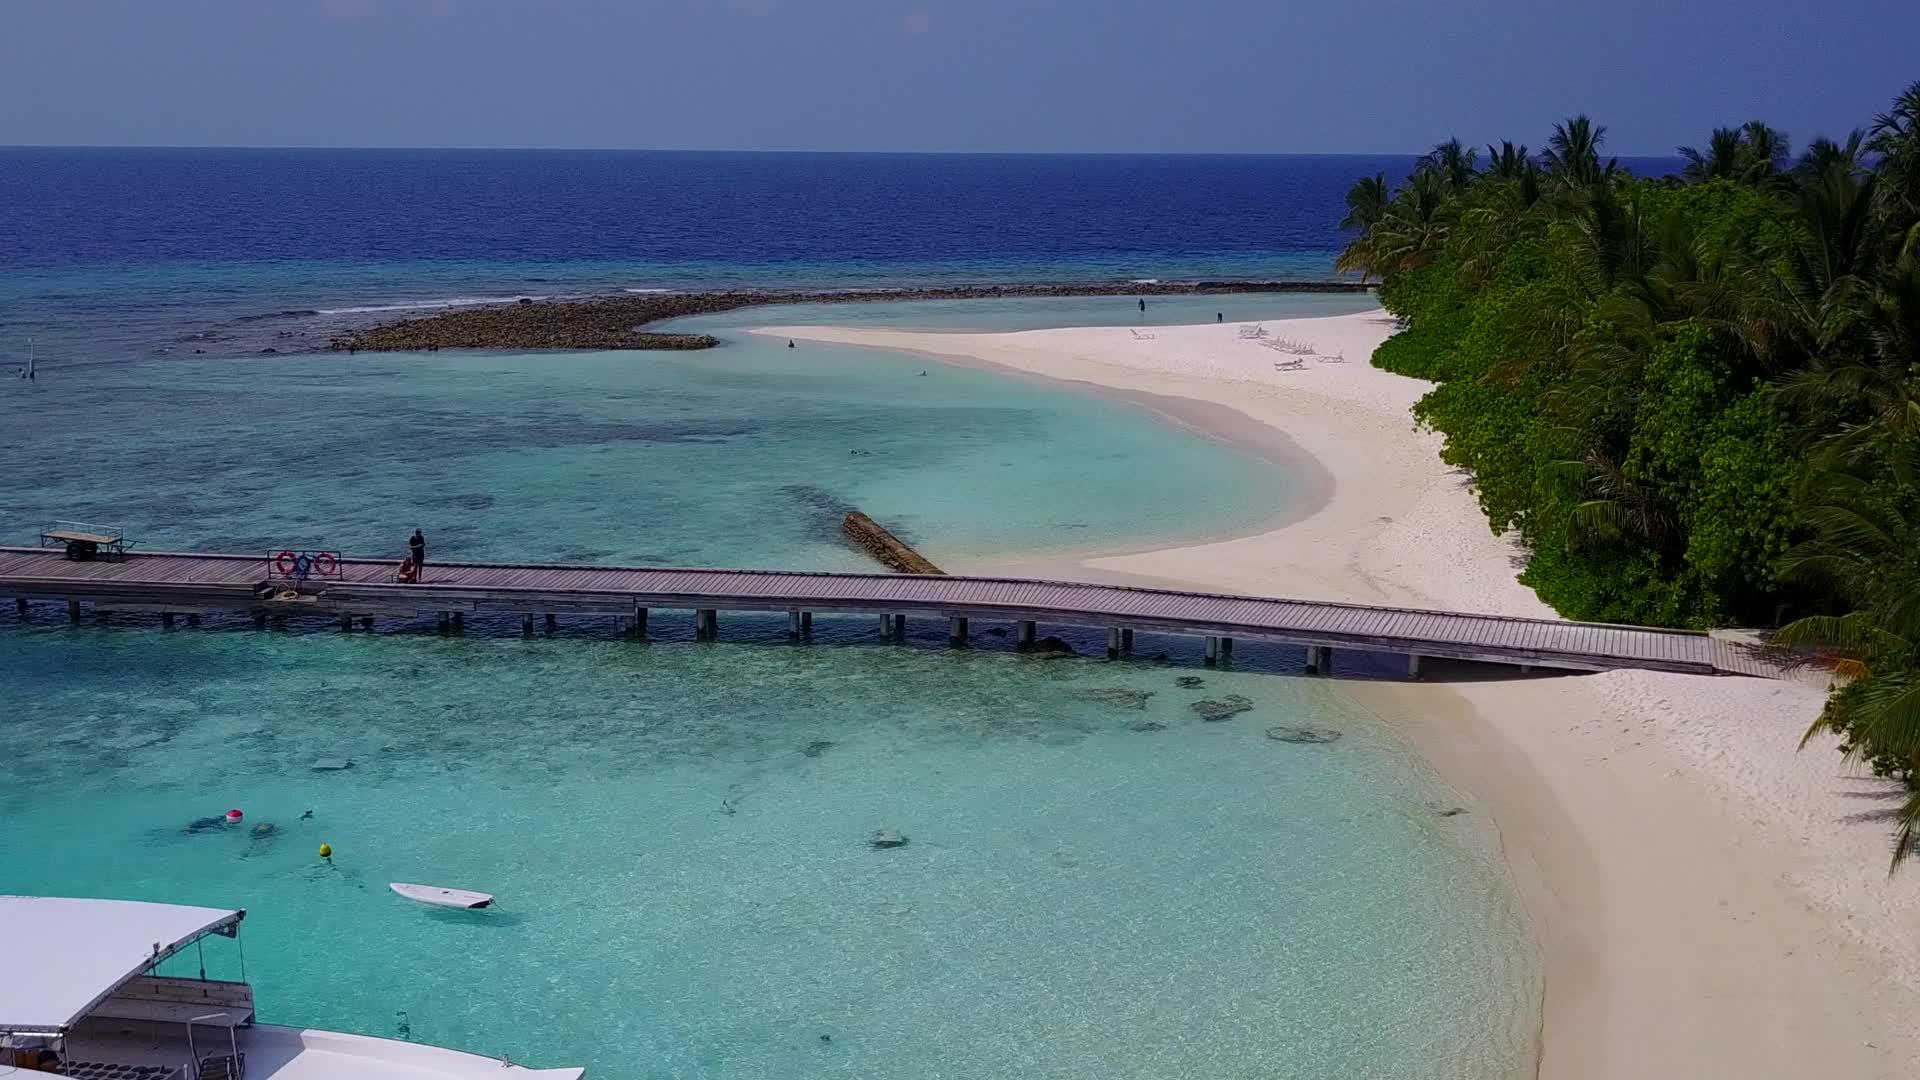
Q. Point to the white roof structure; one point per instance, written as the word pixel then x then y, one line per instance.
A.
pixel 63 956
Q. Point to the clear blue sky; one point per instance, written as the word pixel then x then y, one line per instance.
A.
pixel 1327 76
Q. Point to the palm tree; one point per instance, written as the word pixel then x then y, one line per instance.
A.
pixel 1865 547
pixel 1572 156
pixel 1810 298
pixel 1767 151
pixel 1721 160
pixel 1452 161
pixel 1895 136
pixel 1415 226
pixel 1509 162
pixel 1751 154
pixel 1367 202
pixel 1877 387
pixel 1824 155
pixel 1616 508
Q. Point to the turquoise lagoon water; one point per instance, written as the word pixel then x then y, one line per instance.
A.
pixel 1039 312
pixel 677 831
pixel 677 834
pixel 745 455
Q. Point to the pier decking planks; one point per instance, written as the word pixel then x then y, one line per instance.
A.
pixel 186 581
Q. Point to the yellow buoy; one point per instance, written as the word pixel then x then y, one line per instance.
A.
pixel 326 851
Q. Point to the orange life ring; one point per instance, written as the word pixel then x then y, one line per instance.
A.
pixel 286 562
pixel 325 564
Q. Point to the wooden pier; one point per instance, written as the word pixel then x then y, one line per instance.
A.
pixel 361 590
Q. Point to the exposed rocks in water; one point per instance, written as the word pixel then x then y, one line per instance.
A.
pixel 1226 708
pixel 614 322
pixel 1189 682
pixel 996 631
pixel 331 764
pixel 1289 733
pixel 887 838
pixel 1051 646
pixel 892 552
pixel 1118 696
pixel 816 747
pixel 1146 725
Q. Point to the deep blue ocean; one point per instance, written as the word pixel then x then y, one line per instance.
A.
pixel 116 253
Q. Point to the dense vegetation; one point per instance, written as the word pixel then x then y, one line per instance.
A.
pixel 1695 398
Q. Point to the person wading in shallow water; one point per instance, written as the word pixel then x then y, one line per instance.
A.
pixel 417 544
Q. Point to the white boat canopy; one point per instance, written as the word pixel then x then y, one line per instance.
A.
pixel 64 956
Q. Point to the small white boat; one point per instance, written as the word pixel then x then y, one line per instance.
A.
pixel 439 897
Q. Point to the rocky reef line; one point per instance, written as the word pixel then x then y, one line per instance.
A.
pixel 618 322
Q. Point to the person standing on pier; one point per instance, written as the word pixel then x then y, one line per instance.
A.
pixel 417 544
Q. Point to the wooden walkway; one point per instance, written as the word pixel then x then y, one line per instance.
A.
pixel 193 583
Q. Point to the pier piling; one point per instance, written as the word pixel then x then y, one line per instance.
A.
pixel 957 630
pixel 1113 643
pixel 640 622
pixel 1213 650
pixel 73 611
pixel 166 620
pixel 1126 639
pixel 1028 633
pixel 526 624
pixel 1413 665
pixel 551 622
pixel 706 624
pixel 346 622
pixel 20 606
pixel 793 623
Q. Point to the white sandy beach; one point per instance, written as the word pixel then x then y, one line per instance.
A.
pixel 1709 902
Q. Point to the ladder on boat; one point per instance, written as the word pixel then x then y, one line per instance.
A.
pixel 217 1066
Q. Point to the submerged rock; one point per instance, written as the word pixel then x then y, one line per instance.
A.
pixel 1226 708
pixel 205 824
pixel 1146 725
pixel 1052 646
pixel 1446 811
pixel 1119 696
pixel 1289 733
pixel 816 747
pixel 886 838
pixel 1189 682
pixel 328 764
pixel 262 830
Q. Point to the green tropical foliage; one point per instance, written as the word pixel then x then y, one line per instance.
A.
pixel 1695 399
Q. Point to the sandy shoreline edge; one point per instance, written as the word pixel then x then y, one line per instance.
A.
pixel 1707 902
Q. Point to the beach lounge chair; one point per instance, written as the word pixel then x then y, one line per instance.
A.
pixel 1337 358
pixel 1290 365
pixel 1252 332
pixel 1140 335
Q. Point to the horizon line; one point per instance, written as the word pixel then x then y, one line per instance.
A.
pixel 746 150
